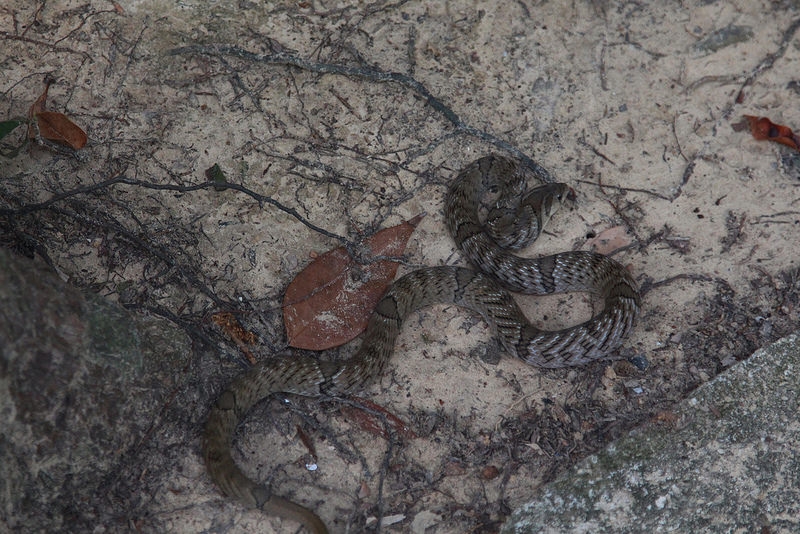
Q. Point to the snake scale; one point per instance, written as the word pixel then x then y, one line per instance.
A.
pixel 488 241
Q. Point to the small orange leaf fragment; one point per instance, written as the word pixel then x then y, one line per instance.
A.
pixel 762 128
pixel 234 329
pixel 331 300
pixel 312 451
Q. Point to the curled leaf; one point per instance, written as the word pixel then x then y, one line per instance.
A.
pixel 57 127
pixel 331 300
pixel 54 126
pixel 763 128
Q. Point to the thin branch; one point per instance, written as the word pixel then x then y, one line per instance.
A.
pixel 767 62
pixel 261 199
pixel 626 189
pixel 11 37
pixel 371 74
pixel 121 179
pixel 30 208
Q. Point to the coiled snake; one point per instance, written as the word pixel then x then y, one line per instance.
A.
pixel 478 291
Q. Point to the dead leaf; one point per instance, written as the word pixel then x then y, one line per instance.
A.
pixel 312 451
pixel 762 128
pixel 376 420
pixel 233 328
pixel 39 105
pixel 610 240
pixel 331 300
pixel 54 126
pixel 57 127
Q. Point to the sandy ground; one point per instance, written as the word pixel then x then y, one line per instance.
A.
pixel 636 106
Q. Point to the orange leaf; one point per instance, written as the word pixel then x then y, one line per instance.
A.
pixel 331 300
pixel 242 337
pixel 763 128
pixel 57 127
pixel 377 420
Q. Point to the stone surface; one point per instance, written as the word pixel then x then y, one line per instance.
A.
pixel 725 460
pixel 81 384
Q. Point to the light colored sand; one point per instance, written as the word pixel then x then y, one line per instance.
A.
pixel 617 100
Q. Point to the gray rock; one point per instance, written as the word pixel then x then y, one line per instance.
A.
pixel 725 461
pixel 81 390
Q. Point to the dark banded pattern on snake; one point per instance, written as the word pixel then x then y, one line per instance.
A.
pixel 478 291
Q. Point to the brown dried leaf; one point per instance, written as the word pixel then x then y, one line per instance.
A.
pixel 312 451
pixel 377 420
pixel 55 126
pixel 233 328
pixel 39 105
pixel 331 300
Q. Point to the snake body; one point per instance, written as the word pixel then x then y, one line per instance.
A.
pixel 483 292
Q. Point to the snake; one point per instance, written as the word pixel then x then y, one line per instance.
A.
pixel 488 232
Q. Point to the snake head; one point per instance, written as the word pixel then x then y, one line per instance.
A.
pixel 549 198
pixel 543 201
